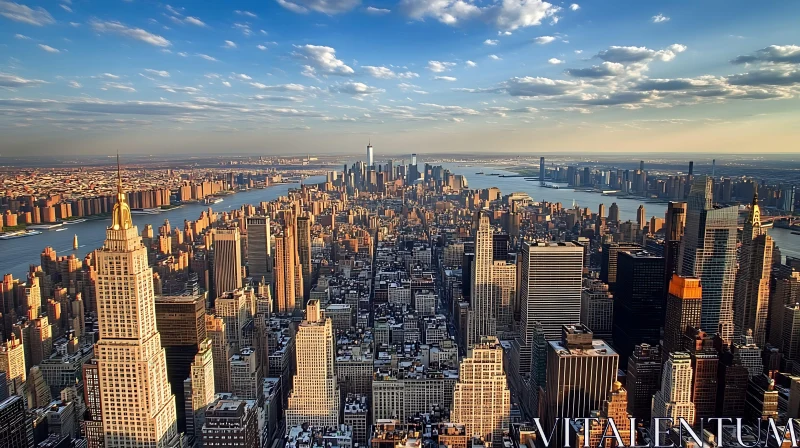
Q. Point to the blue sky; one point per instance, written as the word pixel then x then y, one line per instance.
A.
pixel 278 76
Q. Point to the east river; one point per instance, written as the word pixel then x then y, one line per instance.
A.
pixel 17 255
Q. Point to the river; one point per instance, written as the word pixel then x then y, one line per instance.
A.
pixel 789 244
pixel 18 254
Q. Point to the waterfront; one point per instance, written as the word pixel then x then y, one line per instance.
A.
pixel 20 253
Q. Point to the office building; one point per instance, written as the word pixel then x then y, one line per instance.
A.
pixel 613 212
pixel 550 292
pixel 259 248
pixel 231 423
pixel 674 399
pixel 481 399
pixel 581 371
pixel 92 423
pixel 638 301
pixel 138 408
pixel 370 157
pixel 643 374
pixel 683 310
pixel 504 279
pixel 235 309
pixel 221 350
pixel 705 366
pixel 609 258
pixel 12 362
pixel 674 223
pixel 762 399
pixel 751 294
pixel 227 261
pixel 597 308
pixel 304 248
pixel 285 286
pixel 315 395
pixel 199 391
pixel 245 374
pixel 15 427
pixel 614 409
pixel 483 306
pixel 708 251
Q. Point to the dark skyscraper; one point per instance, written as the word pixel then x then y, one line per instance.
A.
pixel 674 224
pixel 259 252
pixel 541 170
pixel 683 310
pixel 500 246
pixel 644 372
pixel 15 431
pixel 638 301
pixel 609 260
pixel 304 248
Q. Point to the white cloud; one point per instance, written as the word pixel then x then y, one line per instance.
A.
pixel 494 57
pixel 262 47
pixel 207 57
pixel 377 11
pixel 118 86
pixel 356 89
pixel 605 69
pixel 491 42
pixel 244 28
pixel 578 51
pixel 659 18
pixel 22 37
pixel 555 61
pixel 640 54
pixel 324 59
pixel 49 49
pixel 243 77
pixel 323 6
pixel 230 44
pixel 74 24
pixel 775 54
pixel 246 13
pixel 507 15
pixel 132 33
pixel 471 64
pixel 574 7
pixel 161 73
pixel 387 73
pixel 109 76
pixel 65 8
pixel 74 84
pixel 176 89
pixel 226 83
pixel 544 40
pixel 21 13
pixel 194 21
pixel 9 80
pixel 439 67
pixel 445 78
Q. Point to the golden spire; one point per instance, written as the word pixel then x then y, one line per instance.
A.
pixel 121 216
pixel 755 210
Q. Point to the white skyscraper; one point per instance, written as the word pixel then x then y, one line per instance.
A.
pixel 370 156
pixel 481 399
pixel 138 409
pixel 483 309
pixel 674 400
pixel 315 394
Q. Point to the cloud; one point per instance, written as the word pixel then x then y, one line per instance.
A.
pixel 65 8
pixel 605 69
pixel 206 57
pixel 507 15
pixel 775 54
pixel 544 40
pixel 230 44
pixel 49 49
pixel 74 84
pixel 491 42
pixel 377 11
pixel 9 80
pixel 194 21
pixel 294 99
pixel 495 57
pixel 387 73
pixel 445 78
pixel 176 89
pixel 356 89
pixel 262 47
pixel 243 77
pixel 660 18
pixel 21 13
pixel 161 73
pixel 108 76
pixel 439 67
pixel 323 6
pixel 118 86
pixel 246 14
pixel 244 28
pixel 21 37
pixel 471 64
pixel 132 33
pixel 451 110
pixel 555 61
pixel 226 83
pixel 574 7
pixel 640 54
pixel 281 87
pixel 531 87
pixel 777 76
pixel 324 59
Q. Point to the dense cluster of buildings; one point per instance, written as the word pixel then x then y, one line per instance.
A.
pixel 392 306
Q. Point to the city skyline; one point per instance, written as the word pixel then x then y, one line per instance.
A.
pixel 291 75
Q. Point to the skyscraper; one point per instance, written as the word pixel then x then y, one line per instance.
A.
pixel 227 261
pixel 609 260
pixel 581 371
pixel 199 390
pixel 138 408
pixel 613 212
pixel 638 301
pixel 285 291
pixel 708 251
pixel 370 156
pixel 641 217
pixel 541 171
pixel 674 223
pixel 483 308
pixel 15 427
pixel 674 400
pixel 481 399
pixel 644 370
pixel 12 362
pixel 231 423
pixel 550 291
pixel 683 310
pixel 259 250
pixel 315 395
pixel 751 298
pixel 304 248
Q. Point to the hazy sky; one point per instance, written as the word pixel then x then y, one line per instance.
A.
pixel 323 76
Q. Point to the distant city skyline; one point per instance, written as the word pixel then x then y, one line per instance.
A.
pixel 288 76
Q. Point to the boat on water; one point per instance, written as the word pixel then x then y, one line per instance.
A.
pixel 75 242
pixel 45 226
pixel 60 230
pixel 74 221
pixel 479 173
pixel 18 234
pixel 795 233
pixel 210 201
pixel 145 211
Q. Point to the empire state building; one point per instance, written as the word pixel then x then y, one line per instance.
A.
pixel 138 409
